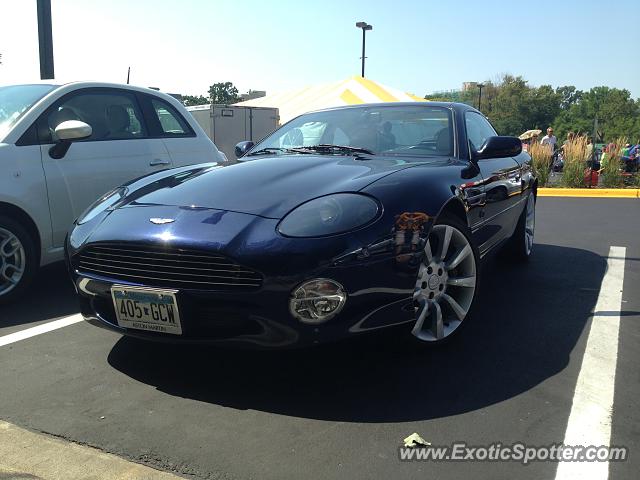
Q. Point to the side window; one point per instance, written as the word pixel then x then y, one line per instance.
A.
pixel 112 115
pixel 171 122
pixel 478 129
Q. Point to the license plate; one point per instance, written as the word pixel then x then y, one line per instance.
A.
pixel 147 309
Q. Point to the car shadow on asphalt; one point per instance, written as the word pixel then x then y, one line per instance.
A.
pixel 527 321
pixel 50 296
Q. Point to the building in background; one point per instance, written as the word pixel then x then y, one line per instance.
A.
pixel 251 94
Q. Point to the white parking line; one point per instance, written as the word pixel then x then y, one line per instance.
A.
pixel 590 418
pixel 44 328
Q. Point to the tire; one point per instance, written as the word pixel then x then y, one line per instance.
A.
pixel 17 253
pixel 447 287
pixel 520 245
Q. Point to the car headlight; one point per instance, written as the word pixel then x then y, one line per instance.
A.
pixel 330 215
pixel 105 202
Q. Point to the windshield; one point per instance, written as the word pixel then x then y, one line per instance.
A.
pixel 390 130
pixel 15 100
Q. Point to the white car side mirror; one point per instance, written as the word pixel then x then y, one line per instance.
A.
pixel 73 130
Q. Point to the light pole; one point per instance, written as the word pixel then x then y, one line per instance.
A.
pixel 44 39
pixel 480 86
pixel 364 26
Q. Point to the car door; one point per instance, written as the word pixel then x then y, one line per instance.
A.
pixel 180 140
pixel 501 178
pixel 118 150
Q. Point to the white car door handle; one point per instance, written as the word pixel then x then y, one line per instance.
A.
pixel 158 161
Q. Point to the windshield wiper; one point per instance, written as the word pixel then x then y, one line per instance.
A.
pixel 328 148
pixel 264 151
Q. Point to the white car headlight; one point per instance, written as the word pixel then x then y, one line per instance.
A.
pixel 330 215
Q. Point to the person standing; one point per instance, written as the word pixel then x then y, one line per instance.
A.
pixel 625 150
pixel 589 151
pixel 549 139
pixel 603 157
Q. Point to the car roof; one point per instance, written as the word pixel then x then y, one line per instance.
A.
pixel 60 89
pixel 451 105
pixel 85 84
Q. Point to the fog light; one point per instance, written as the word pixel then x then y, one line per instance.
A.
pixel 317 301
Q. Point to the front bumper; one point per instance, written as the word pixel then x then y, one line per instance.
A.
pixel 260 319
pixel 379 283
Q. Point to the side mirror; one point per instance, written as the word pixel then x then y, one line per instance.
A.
pixel 73 130
pixel 242 148
pixel 67 132
pixel 497 147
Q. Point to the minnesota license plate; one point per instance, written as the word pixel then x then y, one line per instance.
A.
pixel 147 309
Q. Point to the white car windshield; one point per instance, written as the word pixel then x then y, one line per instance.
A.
pixel 15 100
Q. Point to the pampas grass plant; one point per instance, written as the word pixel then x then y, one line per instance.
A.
pixel 575 158
pixel 610 168
pixel 541 156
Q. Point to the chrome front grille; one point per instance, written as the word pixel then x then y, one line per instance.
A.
pixel 170 268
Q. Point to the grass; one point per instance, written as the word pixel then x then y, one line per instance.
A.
pixel 610 168
pixel 541 157
pixel 575 158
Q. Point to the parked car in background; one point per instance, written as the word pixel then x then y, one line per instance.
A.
pixel 342 221
pixel 62 146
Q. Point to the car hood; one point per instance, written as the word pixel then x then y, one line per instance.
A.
pixel 269 187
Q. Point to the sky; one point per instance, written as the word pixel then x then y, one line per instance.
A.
pixel 415 46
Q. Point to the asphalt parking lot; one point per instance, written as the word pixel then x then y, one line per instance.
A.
pixel 342 411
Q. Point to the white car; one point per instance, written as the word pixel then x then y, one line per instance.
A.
pixel 62 146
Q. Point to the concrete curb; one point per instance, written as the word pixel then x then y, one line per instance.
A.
pixel 29 455
pixel 590 192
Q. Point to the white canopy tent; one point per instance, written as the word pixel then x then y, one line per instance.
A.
pixel 353 90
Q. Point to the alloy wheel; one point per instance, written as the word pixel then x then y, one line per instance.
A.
pixel 446 284
pixel 13 261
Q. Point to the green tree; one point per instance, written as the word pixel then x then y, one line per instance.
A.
pixel 510 111
pixel 617 113
pixel 223 93
pixel 568 96
pixel 544 107
pixel 489 94
pixel 513 106
pixel 466 96
pixel 190 100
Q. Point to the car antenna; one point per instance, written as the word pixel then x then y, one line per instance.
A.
pixel 128 73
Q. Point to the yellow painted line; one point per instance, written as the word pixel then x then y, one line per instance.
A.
pixel 376 89
pixel 590 192
pixel 350 98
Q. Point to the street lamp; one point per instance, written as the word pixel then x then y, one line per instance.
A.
pixel 480 86
pixel 364 26
pixel 45 43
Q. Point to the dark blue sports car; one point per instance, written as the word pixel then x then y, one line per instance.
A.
pixel 343 221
